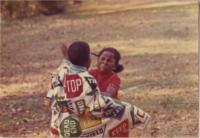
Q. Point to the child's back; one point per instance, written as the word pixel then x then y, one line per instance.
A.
pixel 78 108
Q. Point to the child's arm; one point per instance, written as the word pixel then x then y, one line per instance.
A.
pixel 111 91
pixel 64 49
pixel 55 81
pixel 110 108
pixel 113 88
pixel 48 98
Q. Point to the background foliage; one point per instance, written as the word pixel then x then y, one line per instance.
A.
pixel 24 8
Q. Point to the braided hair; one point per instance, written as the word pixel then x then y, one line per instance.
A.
pixel 117 58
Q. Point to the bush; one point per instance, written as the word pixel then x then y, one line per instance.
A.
pixel 20 9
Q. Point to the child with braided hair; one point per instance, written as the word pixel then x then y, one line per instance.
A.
pixel 106 72
pixel 78 107
pixel 108 65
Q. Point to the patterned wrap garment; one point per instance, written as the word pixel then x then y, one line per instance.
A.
pixel 79 110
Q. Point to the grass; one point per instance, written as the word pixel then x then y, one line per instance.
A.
pixel 173 112
pixel 159 51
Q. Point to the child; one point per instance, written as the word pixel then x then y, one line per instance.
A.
pixel 78 108
pixel 105 73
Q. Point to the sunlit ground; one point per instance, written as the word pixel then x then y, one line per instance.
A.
pixel 158 43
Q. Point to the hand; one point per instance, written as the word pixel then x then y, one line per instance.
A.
pixel 64 50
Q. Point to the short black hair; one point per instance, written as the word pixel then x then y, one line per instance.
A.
pixel 117 58
pixel 79 53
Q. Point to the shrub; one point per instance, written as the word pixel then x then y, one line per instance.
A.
pixel 23 8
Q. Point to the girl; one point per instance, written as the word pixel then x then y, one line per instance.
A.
pixel 106 72
pixel 78 110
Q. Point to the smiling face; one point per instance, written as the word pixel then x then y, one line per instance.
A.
pixel 106 62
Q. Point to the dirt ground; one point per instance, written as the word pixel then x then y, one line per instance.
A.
pixel 159 46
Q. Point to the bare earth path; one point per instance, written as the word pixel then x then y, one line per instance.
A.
pixel 158 42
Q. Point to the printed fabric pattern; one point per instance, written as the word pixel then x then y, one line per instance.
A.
pixel 79 110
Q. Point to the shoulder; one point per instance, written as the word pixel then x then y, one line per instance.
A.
pixel 63 69
pixel 65 65
pixel 88 79
pixel 86 74
pixel 93 71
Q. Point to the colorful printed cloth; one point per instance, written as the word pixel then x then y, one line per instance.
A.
pixel 79 110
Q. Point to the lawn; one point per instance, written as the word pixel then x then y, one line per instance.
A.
pixel 159 46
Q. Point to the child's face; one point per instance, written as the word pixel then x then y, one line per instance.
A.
pixel 106 62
